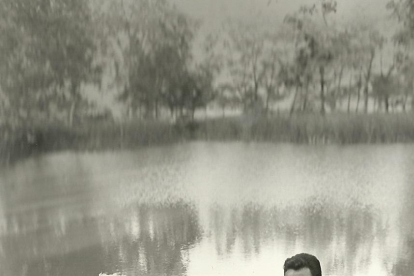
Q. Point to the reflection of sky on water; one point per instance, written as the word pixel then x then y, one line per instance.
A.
pixel 209 209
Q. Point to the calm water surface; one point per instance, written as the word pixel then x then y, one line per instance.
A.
pixel 209 209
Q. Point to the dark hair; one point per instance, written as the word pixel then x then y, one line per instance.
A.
pixel 303 260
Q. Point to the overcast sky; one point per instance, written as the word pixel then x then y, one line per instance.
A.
pixel 213 12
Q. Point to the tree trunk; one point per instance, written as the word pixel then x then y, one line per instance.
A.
pixel 129 113
pixel 338 87
pixel 322 74
pixel 256 91
pixel 141 112
pixel 176 114
pixel 404 103
pixel 359 88
pixel 172 119
pixel 349 94
pixel 387 104
pixel 72 113
pixel 365 99
pixel 74 92
pixel 305 100
pixel 292 108
pixel 267 102
pixel 358 99
pixel 122 134
pixel 156 109
pixel 367 79
pixel 256 85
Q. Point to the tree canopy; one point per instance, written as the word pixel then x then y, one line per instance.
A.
pixel 144 52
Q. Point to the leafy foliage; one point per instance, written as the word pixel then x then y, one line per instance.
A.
pixel 46 51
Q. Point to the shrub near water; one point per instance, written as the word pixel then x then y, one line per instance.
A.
pixel 312 128
pixel 21 141
pixel 127 135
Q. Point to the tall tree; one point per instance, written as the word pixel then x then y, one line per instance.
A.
pixel 403 11
pixel 155 43
pixel 372 41
pixel 46 53
pixel 245 46
pixel 314 46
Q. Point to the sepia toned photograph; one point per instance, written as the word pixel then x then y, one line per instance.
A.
pixel 206 137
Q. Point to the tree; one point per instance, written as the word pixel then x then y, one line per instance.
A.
pixel 46 53
pixel 245 45
pixel 226 97
pixel 356 60
pixel 403 11
pixel 343 52
pixel 373 41
pixel 271 82
pixel 149 44
pixel 384 86
pixel 314 46
pixel 197 90
pixel 394 89
pixel 406 71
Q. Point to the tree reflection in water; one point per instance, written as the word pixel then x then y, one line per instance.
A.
pixel 70 215
pixel 405 264
pixel 151 240
pixel 345 238
pixel 157 239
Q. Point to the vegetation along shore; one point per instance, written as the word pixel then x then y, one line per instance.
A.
pixel 104 74
pixel 341 129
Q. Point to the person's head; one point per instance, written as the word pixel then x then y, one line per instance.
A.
pixel 302 265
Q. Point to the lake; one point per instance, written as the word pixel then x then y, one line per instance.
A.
pixel 209 209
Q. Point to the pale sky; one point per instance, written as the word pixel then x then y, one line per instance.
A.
pixel 349 12
pixel 213 12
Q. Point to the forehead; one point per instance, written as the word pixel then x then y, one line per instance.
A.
pixel 301 272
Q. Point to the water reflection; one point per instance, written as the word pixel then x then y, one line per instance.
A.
pixel 405 264
pixel 209 209
pixel 152 240
pixel 157 239
pixel 344 238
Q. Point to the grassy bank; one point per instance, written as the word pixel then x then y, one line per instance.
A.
pixel 306 129
pixel 23 141
pixel 314 129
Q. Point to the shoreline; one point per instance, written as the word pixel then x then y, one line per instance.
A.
pixel 307 129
